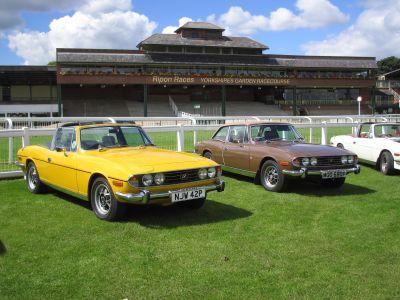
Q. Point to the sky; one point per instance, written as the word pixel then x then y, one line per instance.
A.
pixel 31 30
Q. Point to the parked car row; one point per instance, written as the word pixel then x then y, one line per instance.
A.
pixel 112 165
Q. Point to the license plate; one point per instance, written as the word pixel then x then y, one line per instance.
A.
pixel 187 194
pixel 333 174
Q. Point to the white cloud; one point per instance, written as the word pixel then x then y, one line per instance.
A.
pixel 94 25
pixel 311 14
pixel 171 29
pixel 376 32
pixel 10 11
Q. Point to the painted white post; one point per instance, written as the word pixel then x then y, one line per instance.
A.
pixel 25 137
pixel 194 122
pixel 311 129
pixel 10 143
pixel 180 138
pixel 324 133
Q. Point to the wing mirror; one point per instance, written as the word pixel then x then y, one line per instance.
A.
pixel 61 149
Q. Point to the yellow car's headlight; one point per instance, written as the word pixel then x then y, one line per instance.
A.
pixel 159 178
pixel 147 179
pixel 211 172
pixel 203 173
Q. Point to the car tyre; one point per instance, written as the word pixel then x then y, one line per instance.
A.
pixel 333 182
pixel 35 185
pixel 104 204
pixel 193 204
pixel 207 154
pixel 272 178
pixel 386 163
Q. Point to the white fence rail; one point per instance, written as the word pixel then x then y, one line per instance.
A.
pixel 178 133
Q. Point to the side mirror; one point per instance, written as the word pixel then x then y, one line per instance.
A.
pixel 61 149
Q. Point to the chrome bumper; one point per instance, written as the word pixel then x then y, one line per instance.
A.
pixel 145 196
pixel 303 172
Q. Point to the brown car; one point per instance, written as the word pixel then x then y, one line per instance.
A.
pixel 272 152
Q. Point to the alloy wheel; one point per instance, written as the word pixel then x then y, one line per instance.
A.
pixel 102 199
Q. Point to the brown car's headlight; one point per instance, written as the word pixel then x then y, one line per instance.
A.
pixel 313 161
pixel 147 179
pixel 350 159
pixel 203 173
pixel 159 178
pixel 344 160
pixel 211 172
pixel 305 161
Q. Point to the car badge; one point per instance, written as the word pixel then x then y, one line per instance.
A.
pixel 184 176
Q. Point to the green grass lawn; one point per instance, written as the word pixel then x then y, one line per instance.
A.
pixel 244 243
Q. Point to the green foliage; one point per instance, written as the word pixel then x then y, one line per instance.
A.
pixel 389 64
pixel 52 63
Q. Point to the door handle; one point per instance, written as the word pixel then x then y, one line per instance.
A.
pixel 49 159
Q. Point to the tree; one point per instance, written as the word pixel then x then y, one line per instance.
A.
pixel 52 63
pixel 388 64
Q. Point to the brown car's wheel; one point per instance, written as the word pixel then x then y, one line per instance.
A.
pixel 207 154
pixel 271 177
pixel 334 182
pixel 103 201
pixel 386 163
pixel 33 180
pixel 193 204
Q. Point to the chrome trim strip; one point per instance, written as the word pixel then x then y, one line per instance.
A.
pixel 144 196
pixel 238 171
pixel 303 172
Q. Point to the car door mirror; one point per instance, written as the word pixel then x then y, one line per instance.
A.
pixel 60 149
pixel 236 140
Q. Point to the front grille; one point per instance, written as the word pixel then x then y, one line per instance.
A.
pixel 329 161
pixel 181 176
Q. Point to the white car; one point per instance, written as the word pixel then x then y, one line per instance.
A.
pixel 374 143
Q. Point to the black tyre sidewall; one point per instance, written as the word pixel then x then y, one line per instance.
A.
pixel 117 208
pixel 390 162
pixel 207 154
pixel 282 180
pixel 39 186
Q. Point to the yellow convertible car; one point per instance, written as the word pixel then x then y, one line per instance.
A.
pixel 112 165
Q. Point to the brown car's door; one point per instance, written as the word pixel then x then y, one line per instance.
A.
pixel 236 151
pixel 217 144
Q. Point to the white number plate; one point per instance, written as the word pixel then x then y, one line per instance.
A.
pixel 333 174
pixel 187 194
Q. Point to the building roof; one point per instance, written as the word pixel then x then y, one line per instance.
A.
pixel 224 42
pixel 27 75
pixel 392 74
pixel 199 25
pixel 265 60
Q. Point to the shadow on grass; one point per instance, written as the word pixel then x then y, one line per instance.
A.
pixel 71 199
pixel 310 188
pixel 155 216
pixel 174 216
pixel 3 248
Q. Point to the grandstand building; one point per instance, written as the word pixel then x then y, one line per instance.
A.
pixel 197 70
